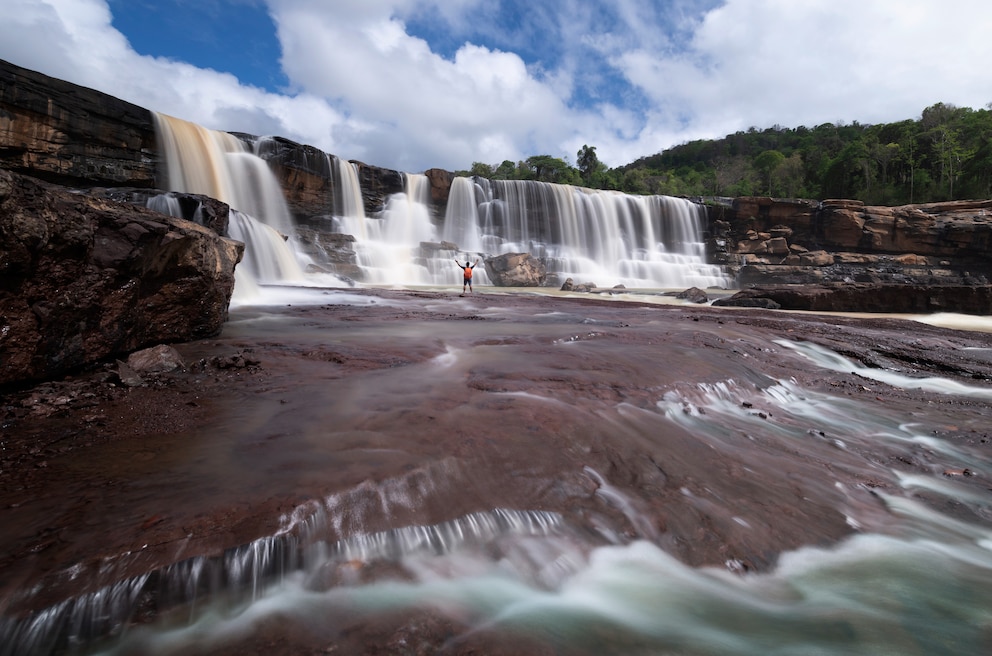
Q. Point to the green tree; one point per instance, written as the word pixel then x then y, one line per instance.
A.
pixel 766 163
pixel 552 169
pixel 787 176
pixel 728 173
pixel 589 164
pixel 505 171
pixel 482 170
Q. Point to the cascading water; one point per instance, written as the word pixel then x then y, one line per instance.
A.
pixel 605 237
pixel 349 202
pixel 394 247
pixel 218 164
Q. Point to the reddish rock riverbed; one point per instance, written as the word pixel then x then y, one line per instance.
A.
pixel 630 421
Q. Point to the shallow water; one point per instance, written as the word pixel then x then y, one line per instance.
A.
pixel 642 481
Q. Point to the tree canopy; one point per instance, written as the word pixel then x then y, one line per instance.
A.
pixel 945 154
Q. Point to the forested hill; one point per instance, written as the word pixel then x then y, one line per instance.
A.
pixel 946 154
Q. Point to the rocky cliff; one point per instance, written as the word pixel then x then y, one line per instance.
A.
pixel 88 276
pixel 84 278
pixel 71 135
pixel 771 241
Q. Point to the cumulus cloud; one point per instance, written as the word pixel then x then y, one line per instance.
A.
pixel 412 84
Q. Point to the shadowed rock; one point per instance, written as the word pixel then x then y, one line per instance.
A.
pixel 865 297
pixel 85 278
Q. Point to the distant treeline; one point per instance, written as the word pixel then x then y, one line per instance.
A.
pixel 946 154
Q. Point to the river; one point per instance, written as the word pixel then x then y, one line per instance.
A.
pixel 417 471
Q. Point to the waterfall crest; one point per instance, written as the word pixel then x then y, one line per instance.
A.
pixel 606 238
pixel 219 165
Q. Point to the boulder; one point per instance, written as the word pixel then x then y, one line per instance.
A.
pixel 585 287
pixel 693 295
pixel 84 278
pixel 157 359
pixel 516 270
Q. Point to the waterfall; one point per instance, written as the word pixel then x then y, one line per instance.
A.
pixel 219 165
pixel 394 246
pixel 349 202
pixel 461 220
pixel 604 237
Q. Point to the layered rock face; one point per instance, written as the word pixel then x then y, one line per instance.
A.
pixel 71 135
pixel 87 276
pixel 84 278
pixel 307 179
pixel 768 241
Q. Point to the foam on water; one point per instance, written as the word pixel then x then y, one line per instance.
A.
pixel 871 594
pixel 828 359
pixel 921 583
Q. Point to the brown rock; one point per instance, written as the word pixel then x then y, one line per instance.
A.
pixel 516 270
pixel 85 278
pixel 693 295
pixel 71 135
pixel 778 246
pixel 157 359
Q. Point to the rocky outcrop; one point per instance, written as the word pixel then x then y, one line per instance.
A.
pixel 305 174
pixel 335 251
pixel 693 295
pixel 516 270
pixel 867 297
pixel 208 212
pixel 765 240
pixel 377 185
pixel 71 135
pixel 310 183
pixel 440 181
pixel 84 278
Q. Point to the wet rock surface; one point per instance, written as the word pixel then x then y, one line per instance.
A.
pixel 490 401
pixel 867 297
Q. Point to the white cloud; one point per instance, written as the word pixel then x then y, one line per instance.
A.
pixel 765 62
pixel 362 86
pixel 368 63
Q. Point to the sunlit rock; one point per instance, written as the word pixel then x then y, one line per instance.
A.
pixel 516 270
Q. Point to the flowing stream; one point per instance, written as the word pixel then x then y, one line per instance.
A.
pixel 590 479
pixel 546 492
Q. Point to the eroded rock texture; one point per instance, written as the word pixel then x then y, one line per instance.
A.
pixel 71 135
pixel 83 278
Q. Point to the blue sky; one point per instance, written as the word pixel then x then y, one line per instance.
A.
pixel 415 84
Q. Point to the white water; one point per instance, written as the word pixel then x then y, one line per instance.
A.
pixel 607 238
pixel 836 362
pixel 349 189
pixel 389 245
pixel 219 165
pixel 924 589
pixel 919 583
pixel 604 237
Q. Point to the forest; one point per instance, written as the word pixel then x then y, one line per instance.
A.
pixel 945 154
